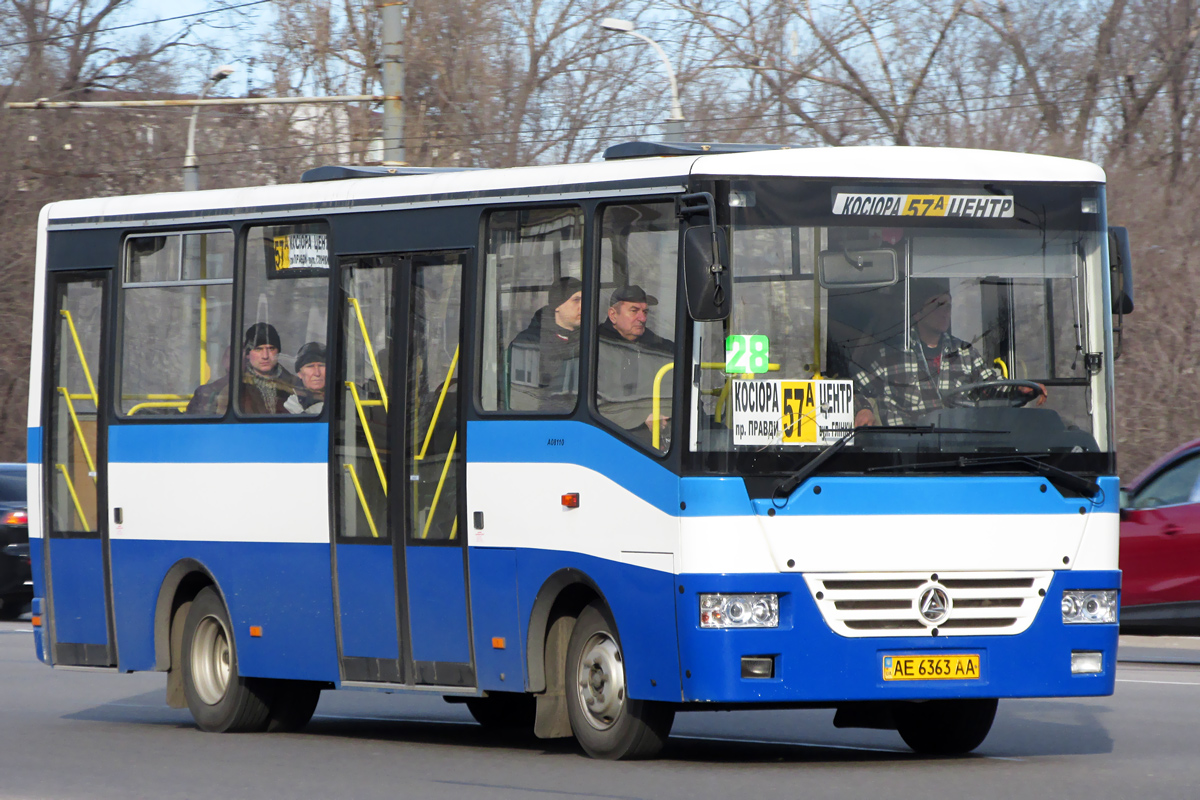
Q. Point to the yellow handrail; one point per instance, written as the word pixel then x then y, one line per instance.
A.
pixel 154 397
pixel 657 395
pixel 82 358
pixel 87 454
pixel 180 407
pixel 361 498
pixel 362 417
pixel 362 325
pixel 437 495
pixel 1003 367
pixel 74 497
pixel 437 410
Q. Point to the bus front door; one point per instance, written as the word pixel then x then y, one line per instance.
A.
pixel 400 558
pixel 78 581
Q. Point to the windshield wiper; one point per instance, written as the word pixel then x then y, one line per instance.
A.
pixel 789 484
pixel 1056 475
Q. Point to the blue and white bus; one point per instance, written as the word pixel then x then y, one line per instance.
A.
pixel 696 427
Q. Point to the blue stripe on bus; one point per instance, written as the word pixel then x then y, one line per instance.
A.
pixel 243 443
pixel 33 445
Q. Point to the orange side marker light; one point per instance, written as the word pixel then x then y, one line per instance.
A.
pixel 256 631
pixel 570 500
pixel 36 619
pixel 498 643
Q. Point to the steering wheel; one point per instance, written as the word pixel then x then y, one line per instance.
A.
pixel 1011 393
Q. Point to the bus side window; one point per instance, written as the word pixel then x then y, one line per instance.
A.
pixel 533 299
pixel 636 309
pixel 176 295
pixel 281 366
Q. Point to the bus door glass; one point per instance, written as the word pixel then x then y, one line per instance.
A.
pixel 77 567
pixel 435 447
pixel 366 565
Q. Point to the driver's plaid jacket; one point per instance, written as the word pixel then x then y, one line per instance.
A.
pixel 902 390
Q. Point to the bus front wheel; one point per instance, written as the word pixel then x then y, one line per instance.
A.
pixel 606 722
pixel 944 727
pixel 220 700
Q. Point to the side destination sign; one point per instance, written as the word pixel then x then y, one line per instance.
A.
pixel 981 206
pixel 791 412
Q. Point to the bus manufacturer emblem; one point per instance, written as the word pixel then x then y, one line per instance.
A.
pixel 934 604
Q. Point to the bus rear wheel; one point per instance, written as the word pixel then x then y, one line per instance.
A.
pixel 606 722
pixel 221 701
pixel 944 727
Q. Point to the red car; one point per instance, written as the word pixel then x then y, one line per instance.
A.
pixel 1160 546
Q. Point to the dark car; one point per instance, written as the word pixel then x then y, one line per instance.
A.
pixel 16 578
pixel 1160 546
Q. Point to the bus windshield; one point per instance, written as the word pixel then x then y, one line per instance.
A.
pixel 960 338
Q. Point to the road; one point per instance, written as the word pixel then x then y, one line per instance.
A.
pixel 70 734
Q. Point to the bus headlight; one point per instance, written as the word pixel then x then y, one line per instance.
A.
pixel 1089 605
pixel 739 611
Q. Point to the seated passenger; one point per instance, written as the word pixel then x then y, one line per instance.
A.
pixel 630 358
pixel 213 397
pixel 310 391
pixel 266 385
pixel 544 358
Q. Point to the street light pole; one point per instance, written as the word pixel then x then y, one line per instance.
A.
pixel 191 174
pixel 674 123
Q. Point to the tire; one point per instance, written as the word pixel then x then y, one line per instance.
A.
pixel 292 705
pixel 944 727
pixel 221 701
pixel 607 723
pixel 504 711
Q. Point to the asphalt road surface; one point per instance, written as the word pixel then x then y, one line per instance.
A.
pixel 71 734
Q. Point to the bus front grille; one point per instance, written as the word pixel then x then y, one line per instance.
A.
pixel 891 604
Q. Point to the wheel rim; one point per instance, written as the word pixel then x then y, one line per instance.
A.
pixel 212 660
pixel 600 681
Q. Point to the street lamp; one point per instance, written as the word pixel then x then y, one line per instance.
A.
pixel 191 175
pixel 674 123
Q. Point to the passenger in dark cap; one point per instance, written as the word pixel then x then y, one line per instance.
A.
pixel 266 385
pixel 544 358
pixel 309 397
pixel 630 357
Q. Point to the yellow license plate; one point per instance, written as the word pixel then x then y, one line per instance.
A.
pixel 931 668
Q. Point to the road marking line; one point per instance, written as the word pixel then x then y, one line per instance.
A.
pixel 1160 683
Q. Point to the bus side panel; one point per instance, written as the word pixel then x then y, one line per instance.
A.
pixel 500 665
pixel 77 570
pixel 438 572
pixel 250 503
pixel 642 601
pixel 284 589
pixel 365 575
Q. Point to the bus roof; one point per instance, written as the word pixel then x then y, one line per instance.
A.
pixel 655 173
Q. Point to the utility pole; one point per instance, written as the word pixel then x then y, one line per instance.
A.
pixel 392 12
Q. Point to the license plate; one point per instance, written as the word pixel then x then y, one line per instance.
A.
pixel 931 668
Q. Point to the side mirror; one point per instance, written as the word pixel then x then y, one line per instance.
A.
pixel 1120 270
pixel 706 279
pixel 858 269
pixel 1120 274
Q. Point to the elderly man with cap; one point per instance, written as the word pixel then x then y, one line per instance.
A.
pixel 266 385
pixel 309 397
pixel 906 383
pixel 544 358
pixel 630 358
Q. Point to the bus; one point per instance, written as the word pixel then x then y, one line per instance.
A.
pixel 694 427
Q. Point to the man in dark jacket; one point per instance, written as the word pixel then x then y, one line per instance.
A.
pixel 309 397
pixel 544 358
pixel 630 359
pixel 266 385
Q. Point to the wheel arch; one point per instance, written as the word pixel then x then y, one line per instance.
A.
pixel 564 593
pixel 180 585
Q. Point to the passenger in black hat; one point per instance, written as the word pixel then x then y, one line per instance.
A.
pixel 544 358
pixel 266 385
pixel 630 357
pixel 310 390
